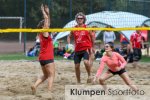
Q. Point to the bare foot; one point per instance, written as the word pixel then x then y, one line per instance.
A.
pixel 78 83
pixel 89 80
pixel 33 90
pixel 50 89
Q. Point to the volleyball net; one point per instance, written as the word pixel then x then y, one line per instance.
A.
pixel 26 44
pixel 124 27
pixel 12 30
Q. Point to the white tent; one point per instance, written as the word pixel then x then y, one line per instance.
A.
pixel 115 19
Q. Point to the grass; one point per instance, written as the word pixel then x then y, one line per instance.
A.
pixel 145 59
pixel 21 56
pixel 17 56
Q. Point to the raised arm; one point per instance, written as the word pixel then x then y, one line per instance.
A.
pixel 48 14
pixel 46 20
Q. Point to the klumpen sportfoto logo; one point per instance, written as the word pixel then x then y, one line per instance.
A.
pixel 113 92
pixel 109 91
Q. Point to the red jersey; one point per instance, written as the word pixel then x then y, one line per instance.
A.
pixel 46 48
pixel 136 40
pixel 123 38
pixel 82 39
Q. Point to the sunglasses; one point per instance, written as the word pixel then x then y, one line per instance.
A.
pixel 107 46
pixel 79 18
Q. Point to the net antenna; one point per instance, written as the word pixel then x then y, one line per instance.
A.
pixel 12 22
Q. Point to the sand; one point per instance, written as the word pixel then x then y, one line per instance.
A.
pixel 16 78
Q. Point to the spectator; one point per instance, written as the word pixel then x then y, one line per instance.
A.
pixel 109 36
pixel 98 55
pixel 125 49
pixel 56 47
pixel 136 41
pixel 61 52
pixel 34 51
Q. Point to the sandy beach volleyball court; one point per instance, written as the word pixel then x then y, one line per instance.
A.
pixel 16 77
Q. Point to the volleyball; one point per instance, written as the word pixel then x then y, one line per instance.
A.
pixel 69 48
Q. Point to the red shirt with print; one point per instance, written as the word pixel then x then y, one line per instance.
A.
pixel 46 48
pixel 82 39
pixel 136 40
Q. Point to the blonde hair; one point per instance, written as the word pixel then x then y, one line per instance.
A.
pixel 80 14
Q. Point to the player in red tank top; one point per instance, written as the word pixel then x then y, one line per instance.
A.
pixel 136 41
pixel 83 42
pixel 46 51
pixel 81 39
pixel 46 56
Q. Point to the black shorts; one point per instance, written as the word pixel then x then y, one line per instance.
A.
pixel 137 54
pixel 130 58
pixel 78 56
pixel 44 62
pixel 118 72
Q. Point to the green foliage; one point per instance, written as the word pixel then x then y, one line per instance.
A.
pixel 60 9
pixel 21 56
pixel 121 5
pixel 18 56
pixel 145 59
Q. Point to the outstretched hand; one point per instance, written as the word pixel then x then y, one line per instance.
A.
pixel 45 15
pixel 42 8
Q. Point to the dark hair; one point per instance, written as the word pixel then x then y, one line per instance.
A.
pixel 40 24
pixel 111 44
